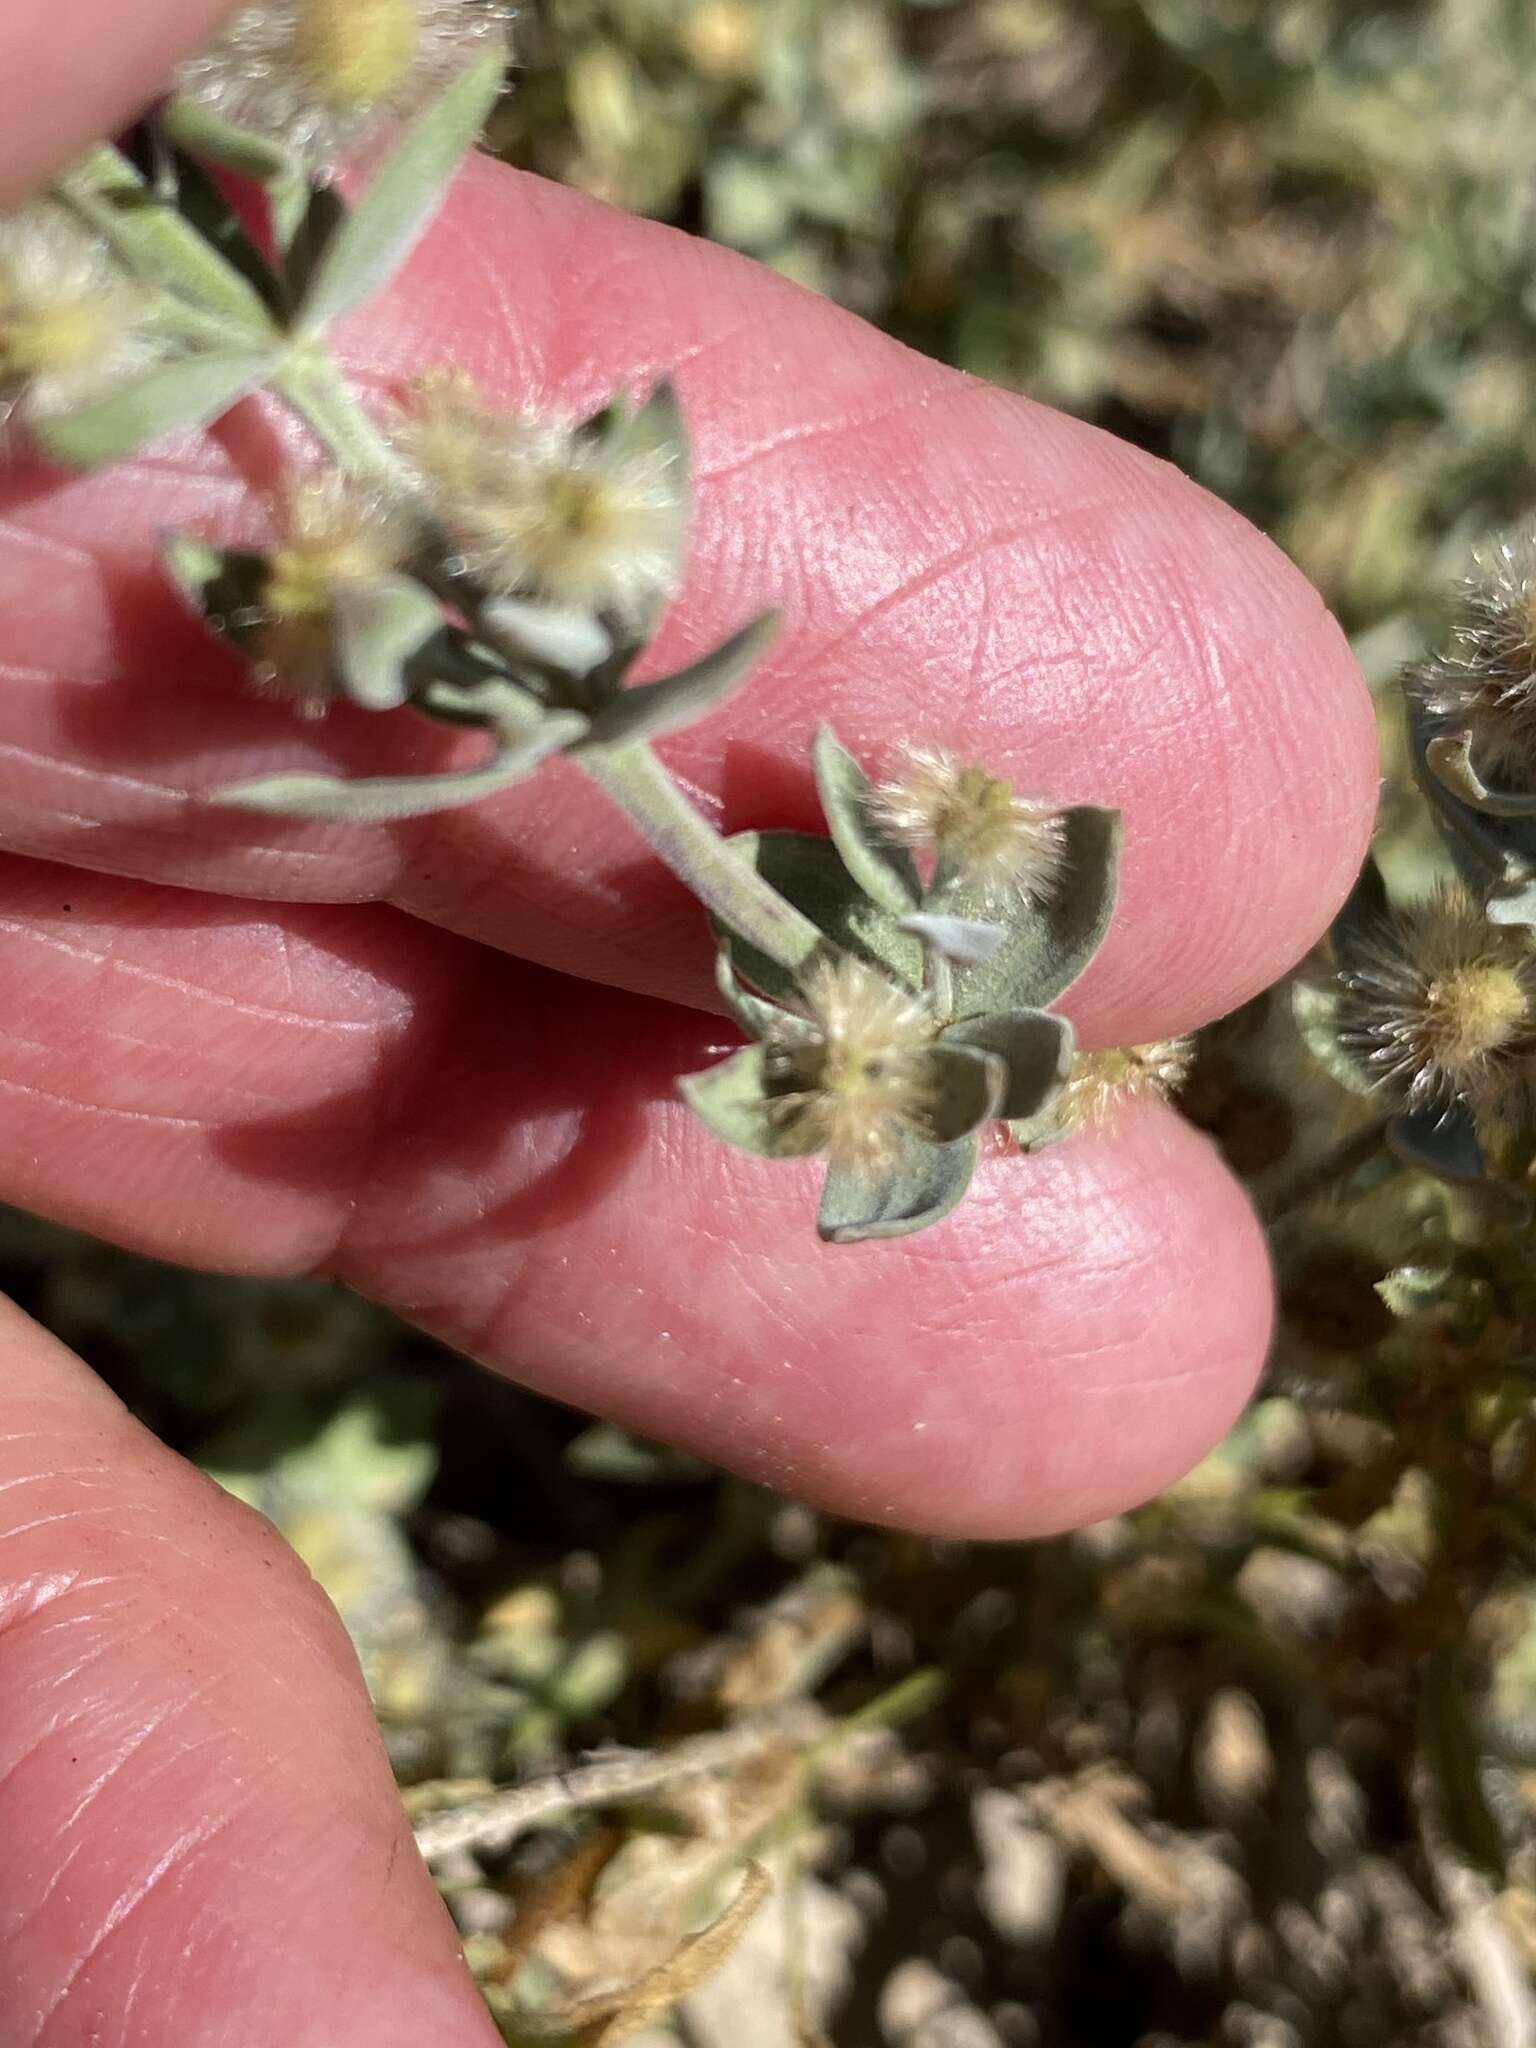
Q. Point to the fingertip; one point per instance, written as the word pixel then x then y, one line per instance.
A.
pixel 201 1827
pixel 53 104
pixel 1249 773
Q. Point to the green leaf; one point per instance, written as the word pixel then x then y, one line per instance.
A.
pixel 924 1185
pixel 1512 902
pixel 1039 1132
pixel 622 1459
pixel 1366 911
pixel 557 637
pixel 1036 1048
pixel 377 237
pixel 388 799
pixel 1049 943
pixel 879 863
pixel 966 1086
pixel 160 249
pixel 176 398
pixel 1441 1142
pixel 379 629
pixel 1315 1006
pixel 649 711
pixel 1453 1754
pixel 656 427
pixel 223 585
pixel 755 1017
pixel 1485 848
pixel 376 1454
pixel 1413 1289
pixel 1449 757
pixel 809 873
pixel 202 133
pixel 732 1099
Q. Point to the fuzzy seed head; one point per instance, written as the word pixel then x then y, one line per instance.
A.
pixel 317 75
pixel 71 326
pixel 1103 1082
pixel 1442 1005
pixel 972 825
pixel 849 1068
pixel 1486 678
pixel 541 510
pixel 334 534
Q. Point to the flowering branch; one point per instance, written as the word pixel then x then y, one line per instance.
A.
pixel 504 573
pixel 1431 1010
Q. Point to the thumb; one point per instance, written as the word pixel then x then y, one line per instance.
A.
pixel 203 1841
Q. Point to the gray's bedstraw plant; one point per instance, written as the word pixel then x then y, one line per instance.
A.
pixel 503 571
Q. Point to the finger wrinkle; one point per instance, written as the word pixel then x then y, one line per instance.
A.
pixel 113 962
pixel 29 1091
pixel 966 554
pixel 92 772
pixel 805 434
pixel 24 1600
pixel 180 1851
pixel 24 539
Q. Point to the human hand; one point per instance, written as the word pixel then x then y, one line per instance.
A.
pixel 390 1054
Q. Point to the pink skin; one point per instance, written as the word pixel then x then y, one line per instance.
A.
pixel 326 1050
pixel 71 70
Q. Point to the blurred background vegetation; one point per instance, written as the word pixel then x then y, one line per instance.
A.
pixel 1251 1767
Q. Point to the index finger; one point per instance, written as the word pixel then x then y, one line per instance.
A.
pixel 52 103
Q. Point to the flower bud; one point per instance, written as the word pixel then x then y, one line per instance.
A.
pixel 980 835
pixel 334 535
pixel 849 1070
pixel 318 75
pixel 584 519
pixel 71 325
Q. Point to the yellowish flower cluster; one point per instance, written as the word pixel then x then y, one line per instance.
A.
pixel 334 534
pixel 1103 1082
pixel 974 826
pixel 544 509
pixel 318 75
pixel 849 1069
pixel 71 325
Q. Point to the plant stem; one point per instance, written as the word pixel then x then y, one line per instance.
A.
pixel 941 986
pixel 495 1822
pixel 691 847
pixel 631 776
pixel 311 383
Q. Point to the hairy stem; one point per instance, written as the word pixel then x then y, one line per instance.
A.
pixel 310 382
pixel 633 778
